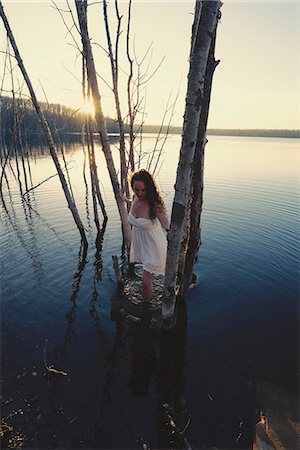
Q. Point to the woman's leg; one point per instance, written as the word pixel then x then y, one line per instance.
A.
pixel 147 285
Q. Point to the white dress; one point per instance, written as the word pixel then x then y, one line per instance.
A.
pixel 148 244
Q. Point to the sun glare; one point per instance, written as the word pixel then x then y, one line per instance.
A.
pixel 88 108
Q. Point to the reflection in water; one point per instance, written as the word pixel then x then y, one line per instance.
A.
pixel 31 247
pixel 37 261
pixel 112 361
pixel 117 347
pixel 87 200
pixel 98 266
pixel 71 314
pixel 156 358
pixel 24 172
pixel 49 227
pixel 144 358
pixel 172 417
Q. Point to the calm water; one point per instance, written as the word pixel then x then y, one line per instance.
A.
pixel 125 382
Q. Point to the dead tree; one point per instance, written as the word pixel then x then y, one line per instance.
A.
pixel 115 80
pixel 96 193
pixel 95 174
pixel 60 144
pixel 81 7
pixel 46 128
pixel 205 27
pixel 196 197
pixel 16 135
pixel 135 92
pixel 186 221
pixel 90 146
pixel 129 100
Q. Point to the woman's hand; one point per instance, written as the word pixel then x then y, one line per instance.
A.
pixel 125 199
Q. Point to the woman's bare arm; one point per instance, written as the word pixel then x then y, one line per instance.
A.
pixel 162 217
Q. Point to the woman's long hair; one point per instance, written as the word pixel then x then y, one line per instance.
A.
pixel 152 192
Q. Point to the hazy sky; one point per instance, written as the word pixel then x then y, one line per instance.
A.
pixel 256 85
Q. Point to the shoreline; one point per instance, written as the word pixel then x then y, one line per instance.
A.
pixel 292 134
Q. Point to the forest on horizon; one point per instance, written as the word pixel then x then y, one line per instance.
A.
pixel 67 120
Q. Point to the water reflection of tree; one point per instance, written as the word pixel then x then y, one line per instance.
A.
pixel 71 314
pixel 98 266
pixel 31 247
pixel 156 358
pixel 144 356
pixel 161 359
pixel 172 416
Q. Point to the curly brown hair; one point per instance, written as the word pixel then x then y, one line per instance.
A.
pixel 153 195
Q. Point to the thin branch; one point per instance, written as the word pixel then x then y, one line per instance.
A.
pixel 73 18
pixel 102 48
pixel 94 3
pixel 119 18
pixel 154 72
pixel 51 369
pixel 104 81
pixel 42 182
pixel 9 54
pixel 65 23
pixel 71 73
pixel 5 63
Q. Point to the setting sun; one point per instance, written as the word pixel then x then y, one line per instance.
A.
pixel 88 107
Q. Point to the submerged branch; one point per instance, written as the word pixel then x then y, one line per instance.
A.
pixel 51 369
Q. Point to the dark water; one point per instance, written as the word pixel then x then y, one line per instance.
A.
pixel 129 384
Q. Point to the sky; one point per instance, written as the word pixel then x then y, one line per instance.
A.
pixel 256 84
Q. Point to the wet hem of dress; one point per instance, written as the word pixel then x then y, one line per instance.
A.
pixel 148 269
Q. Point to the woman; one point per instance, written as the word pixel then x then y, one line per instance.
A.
pixel 148 218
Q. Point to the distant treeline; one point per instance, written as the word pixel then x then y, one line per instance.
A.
pixel 256 133
pixel 230 132
pixel 19 119
pixel 19 115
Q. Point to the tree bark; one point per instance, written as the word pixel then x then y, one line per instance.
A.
pixel 186 223
pixel 92 175
pixel 129 93
pixel 46 129
pixel 95 173
pixel 194 103
pixel 114 72
pixel 81 7
pixel 197 177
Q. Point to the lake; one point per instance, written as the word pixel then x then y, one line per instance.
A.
pixel 128 386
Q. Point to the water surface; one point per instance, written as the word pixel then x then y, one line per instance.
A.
pixel 125 382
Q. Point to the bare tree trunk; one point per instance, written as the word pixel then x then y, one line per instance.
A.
pixel 92 176
pixel 16 127
pixel 197 177
pixel 81 7
pixel 95 173
pixel 83 135
pixel 194 103
pixel 186 223
pixel 184 239
pixel 114 71
pixel 46 129
pixel 129 99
